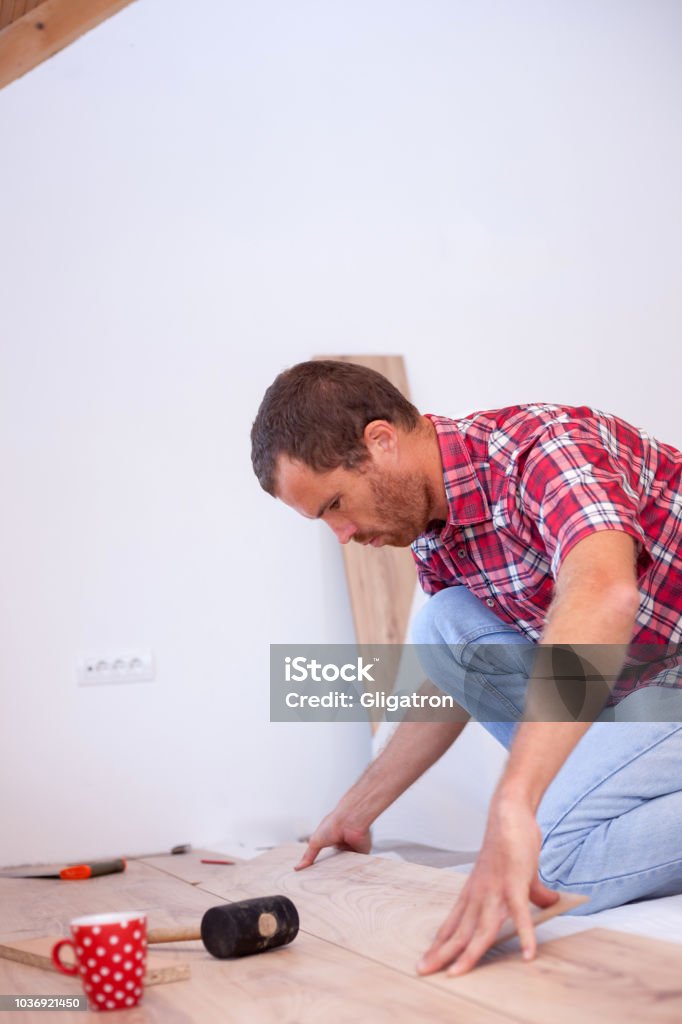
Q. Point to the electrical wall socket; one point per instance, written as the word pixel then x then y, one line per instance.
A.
pixel 110 669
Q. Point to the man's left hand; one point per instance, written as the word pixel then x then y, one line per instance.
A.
pixel 500 886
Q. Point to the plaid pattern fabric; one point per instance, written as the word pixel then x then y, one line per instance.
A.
pixel 526 483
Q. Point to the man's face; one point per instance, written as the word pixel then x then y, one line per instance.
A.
pixel 368 505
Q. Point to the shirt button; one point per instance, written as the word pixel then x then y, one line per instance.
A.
pixel 461 553
pixel 489 601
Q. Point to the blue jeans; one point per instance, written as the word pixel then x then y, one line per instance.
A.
pixel 611 819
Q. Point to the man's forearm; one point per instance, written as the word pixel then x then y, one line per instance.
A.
pixel 605 619
pixel 538 752
pixel 412 749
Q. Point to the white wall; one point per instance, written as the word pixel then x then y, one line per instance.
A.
pixel 193 199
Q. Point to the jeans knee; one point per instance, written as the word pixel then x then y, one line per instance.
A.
pixel 437 618
pixel 424 629
pixel 559 859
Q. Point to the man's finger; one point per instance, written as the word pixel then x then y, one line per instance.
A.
pixel 541 895
pixel 482 939
pixel 441 955
pixel 482 936
pixel 521 916
pixel 451 921
pixel 443 952
pixel 308 858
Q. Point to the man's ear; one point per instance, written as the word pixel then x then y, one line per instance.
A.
pixel 381 438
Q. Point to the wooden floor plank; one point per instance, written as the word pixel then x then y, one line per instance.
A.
pixel 364 921
pixel 594 975
pixel 388 911
pixel 384 909
pixel 309 981
pixel 305 983
pixel 41 906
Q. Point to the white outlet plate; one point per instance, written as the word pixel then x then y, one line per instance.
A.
pixel 112 669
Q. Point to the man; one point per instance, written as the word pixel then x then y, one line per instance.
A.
pixel 533 523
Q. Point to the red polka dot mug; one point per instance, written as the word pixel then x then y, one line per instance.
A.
pixel 111 953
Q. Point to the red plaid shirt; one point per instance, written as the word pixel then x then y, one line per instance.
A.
pixel 527 483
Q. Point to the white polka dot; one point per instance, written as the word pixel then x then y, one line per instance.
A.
pixel 138 955
pixel 82 969
pixel 108 988
pixel 136 933
pixel 96 978
pixel 100 998
pixel 104 970
pixel 117 958
pixel 96 930
pixel 139 972
pixel 101 951
pixel 138 991
pixel 130 1002
pixel 110 1004
pixel 128 948
pixel 118 995
pixel 118 976
pixel 124 924
pixel 128 965
pixel 113 939
pixel 92 962
pixel 79 950
pixel 87 941
pixel 130 984
pixel 88 988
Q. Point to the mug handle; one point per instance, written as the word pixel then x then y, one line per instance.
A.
pixel 58 962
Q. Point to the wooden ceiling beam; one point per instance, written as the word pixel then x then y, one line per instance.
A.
pixel 45 28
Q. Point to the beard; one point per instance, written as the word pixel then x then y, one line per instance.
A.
pixel 401 509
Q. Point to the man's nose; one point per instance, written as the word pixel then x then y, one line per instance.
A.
pixel 344 532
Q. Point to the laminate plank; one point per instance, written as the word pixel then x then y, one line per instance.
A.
pixel 594 975
pixel 306 982
pixel 370 915
pixel 388 911
pixel 6 12
pixel 38 953
pixel 303 983
pixel 384 909
pixel 46 29
pixel 32 907
pixel 19 9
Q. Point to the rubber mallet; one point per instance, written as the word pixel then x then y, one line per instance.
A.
pixel 239 929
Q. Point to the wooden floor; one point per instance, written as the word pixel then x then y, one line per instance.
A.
pixel 364 923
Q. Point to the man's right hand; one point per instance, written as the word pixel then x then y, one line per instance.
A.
pixel 335 830
pixel 413 747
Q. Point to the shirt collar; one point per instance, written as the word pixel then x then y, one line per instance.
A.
pixel 467 502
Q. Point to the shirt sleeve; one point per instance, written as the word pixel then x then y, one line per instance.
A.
pixel 429 581
pixel 573 485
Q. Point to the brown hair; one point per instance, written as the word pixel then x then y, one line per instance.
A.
pixel 316 412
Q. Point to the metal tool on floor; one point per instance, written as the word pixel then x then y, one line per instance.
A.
pixel 239 929
pixel 90 869
pixel 175 850
pixel 73 872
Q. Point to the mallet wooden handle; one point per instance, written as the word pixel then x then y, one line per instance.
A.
pixel 238 929
pixel 176 934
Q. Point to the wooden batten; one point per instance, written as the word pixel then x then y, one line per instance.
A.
pixel 31 30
